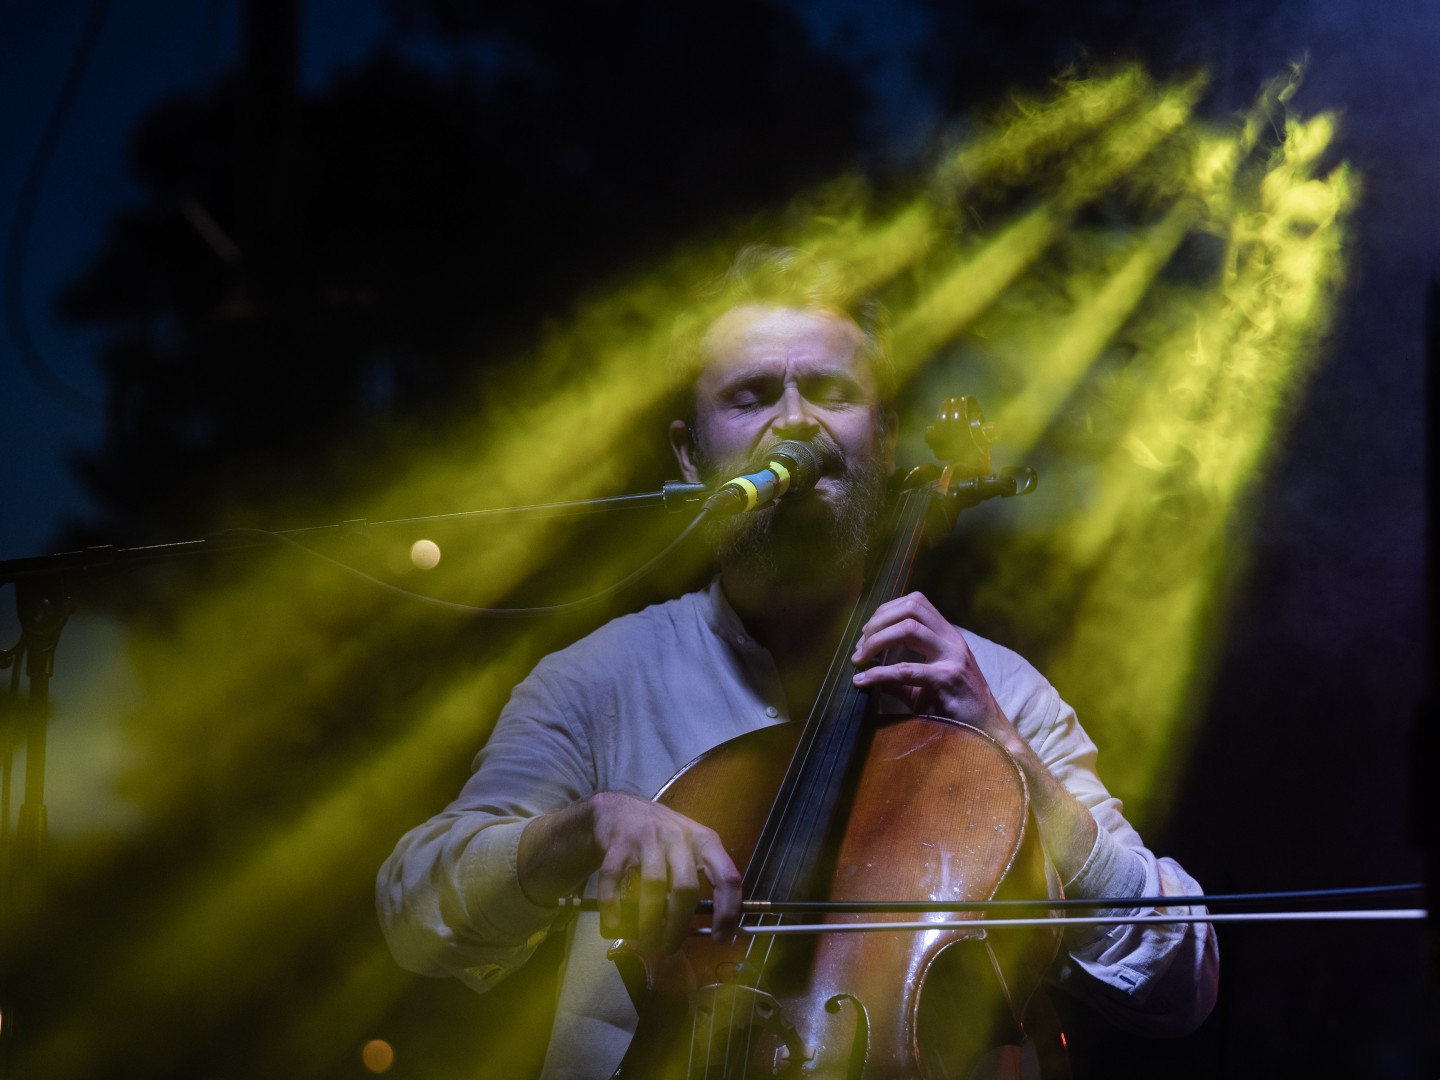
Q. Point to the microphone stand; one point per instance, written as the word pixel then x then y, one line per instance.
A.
pixel 43 608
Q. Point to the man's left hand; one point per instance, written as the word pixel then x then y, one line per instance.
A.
pixel 946 679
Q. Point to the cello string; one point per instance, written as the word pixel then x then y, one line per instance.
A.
pixel 749 1029
pixel 823 760
pixel 694 1026
pixel 824 767
pixel 823 752
pixel 782 852
pixel 776 865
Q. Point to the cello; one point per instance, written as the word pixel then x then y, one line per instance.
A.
pixel 857 804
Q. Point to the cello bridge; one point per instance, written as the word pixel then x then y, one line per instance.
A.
pixel 739 1030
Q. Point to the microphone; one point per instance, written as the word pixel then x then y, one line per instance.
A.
pixel 790 466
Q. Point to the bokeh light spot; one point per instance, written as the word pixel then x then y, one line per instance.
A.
pixel 378 1055
pixel 425 554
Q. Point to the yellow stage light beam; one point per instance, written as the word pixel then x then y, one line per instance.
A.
pixel 1011 151
pixel 283 643
pixel 584 415
pixel 1058 351
pixel 976 281
pixel 1023 143
pixel 1062 362
pixel 231 929
pixel 1151 562
pixel 1172 372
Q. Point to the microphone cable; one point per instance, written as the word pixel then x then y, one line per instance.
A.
pixel 473 609
pixel 789 465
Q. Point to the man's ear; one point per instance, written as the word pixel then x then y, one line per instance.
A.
pixel 684 446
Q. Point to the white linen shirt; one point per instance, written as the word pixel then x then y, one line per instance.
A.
pixel 623 710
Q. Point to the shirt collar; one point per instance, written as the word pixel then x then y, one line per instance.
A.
pixel 721 616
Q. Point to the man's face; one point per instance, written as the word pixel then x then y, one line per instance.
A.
pixel 789 373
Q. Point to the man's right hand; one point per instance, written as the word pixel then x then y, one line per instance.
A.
pixel 622 836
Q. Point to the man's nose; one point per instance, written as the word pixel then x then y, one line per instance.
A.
pixel 795 419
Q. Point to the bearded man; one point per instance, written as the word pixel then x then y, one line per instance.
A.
pixel 560 795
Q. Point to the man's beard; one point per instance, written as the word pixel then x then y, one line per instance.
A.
pixel 804 539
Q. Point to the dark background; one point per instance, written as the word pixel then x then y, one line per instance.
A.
pixel 406 186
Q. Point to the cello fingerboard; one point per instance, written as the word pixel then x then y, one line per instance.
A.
pixel 802 825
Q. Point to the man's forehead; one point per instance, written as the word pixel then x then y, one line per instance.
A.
pixel 756 333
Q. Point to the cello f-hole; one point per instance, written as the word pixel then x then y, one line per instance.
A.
pixel 860 1045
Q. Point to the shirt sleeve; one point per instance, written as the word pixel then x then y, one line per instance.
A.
pixel 449 896
pixel 1156 979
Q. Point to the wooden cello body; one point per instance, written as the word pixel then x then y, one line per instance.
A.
pixel 855 805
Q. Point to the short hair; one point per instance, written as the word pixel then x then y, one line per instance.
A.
pixel 785 277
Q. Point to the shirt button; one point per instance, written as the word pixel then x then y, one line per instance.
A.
pixel 741 639
pixel 771 711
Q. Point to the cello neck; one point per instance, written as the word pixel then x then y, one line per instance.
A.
pixel 794 838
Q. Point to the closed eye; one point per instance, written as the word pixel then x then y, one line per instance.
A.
pixel 752 394
pixel 825 389
pixel 832 390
